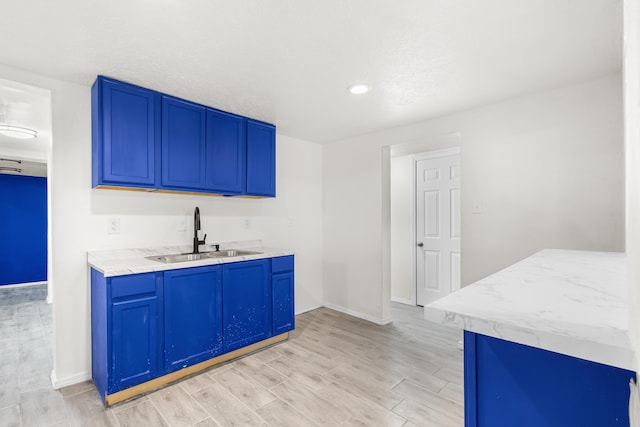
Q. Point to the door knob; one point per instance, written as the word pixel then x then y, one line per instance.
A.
pixel 420 244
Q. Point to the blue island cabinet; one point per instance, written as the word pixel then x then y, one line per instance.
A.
pixel 125 330
pixel 509 384
pixel 193 316
pixel 125 122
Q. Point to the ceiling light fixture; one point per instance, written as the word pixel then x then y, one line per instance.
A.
pixel 17 131
pixel 6 169
pixel 358 89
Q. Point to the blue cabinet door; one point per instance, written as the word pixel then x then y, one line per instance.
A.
pixel 226 152
pixel 246 301
pixel 125 127
pixel 183 144
pixel 134 341
pixel 261 159
pixel 510 384
pixel 283 303
pixel 193 316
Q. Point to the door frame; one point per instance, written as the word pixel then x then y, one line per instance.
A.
pixel 421 144
pixel 414 226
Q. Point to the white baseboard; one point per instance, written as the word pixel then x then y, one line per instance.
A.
pixel 59 383
pixel 363 316
pixel 304 310
pixel 403 301
pixel 22 285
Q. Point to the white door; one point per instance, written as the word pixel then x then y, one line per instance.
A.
pixel 437 225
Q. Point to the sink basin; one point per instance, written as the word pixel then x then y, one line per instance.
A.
pixel 227 253
pixel 177 257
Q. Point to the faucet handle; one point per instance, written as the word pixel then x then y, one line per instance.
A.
pixel 204 239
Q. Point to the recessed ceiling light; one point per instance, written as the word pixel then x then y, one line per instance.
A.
pixel 358 89
pixel 17 131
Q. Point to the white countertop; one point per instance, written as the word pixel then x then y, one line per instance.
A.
pixel 120 262
pixel 569 302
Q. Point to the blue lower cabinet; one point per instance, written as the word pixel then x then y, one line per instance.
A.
pixel 510 384
pixel 193 316
pixel 282 288
pixel 135 341
pixel 144 326
pixel 246 301
pixel 125 330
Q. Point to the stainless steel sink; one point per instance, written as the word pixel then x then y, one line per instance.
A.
pixel 177 257
pixel 228 253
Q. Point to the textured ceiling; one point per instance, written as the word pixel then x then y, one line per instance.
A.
pixel 289 62
pixel 26 106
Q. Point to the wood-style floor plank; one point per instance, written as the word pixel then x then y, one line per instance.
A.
pixel 335 370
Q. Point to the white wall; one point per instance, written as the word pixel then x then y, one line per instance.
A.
pixel 292 220
pixel 402 218
pixel 632 157
pixel 548 168
pixel 79 219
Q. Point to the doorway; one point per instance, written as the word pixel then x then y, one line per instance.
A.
pixel 437 225
pixel 25 282
pixel 400 199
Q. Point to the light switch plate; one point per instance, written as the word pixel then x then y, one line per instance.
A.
pixel 113 225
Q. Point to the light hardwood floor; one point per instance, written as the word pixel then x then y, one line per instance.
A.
pixel 335 370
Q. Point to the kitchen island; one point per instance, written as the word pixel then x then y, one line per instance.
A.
pixel 546 341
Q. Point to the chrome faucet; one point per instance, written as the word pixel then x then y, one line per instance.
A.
pixel 196 227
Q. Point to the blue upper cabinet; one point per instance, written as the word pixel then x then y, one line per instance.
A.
pixel 125 125
pixel 146 139
pixel 226 152
pixel 261 159
pixel 183 144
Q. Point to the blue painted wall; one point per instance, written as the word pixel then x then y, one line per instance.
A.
pixel 23 229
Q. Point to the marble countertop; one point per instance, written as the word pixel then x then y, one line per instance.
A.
pixel 569 302
pixel 120 262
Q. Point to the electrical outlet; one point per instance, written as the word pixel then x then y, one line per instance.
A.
pixel 476 207
pixel 113 226
pixel 181 224
pixel 247 223
pixel 290 222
